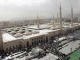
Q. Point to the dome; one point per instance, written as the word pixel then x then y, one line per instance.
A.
pixel 13 32
pixel 18 35
pixel 9 30
pixel 21 31
pixel 27 33
pixel 16 29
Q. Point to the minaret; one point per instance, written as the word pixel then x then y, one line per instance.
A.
pixel 57 18
pixel 37 21
pixel 53 22
pixel 23 23
pixel 60 17
pixel 1 40
pixel 71 16
pixel 58 22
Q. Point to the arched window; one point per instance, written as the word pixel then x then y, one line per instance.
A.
pixel 39 41
pixel 13 47
pixel 27 43
pixel 16 46
pixel 32 43
pixel 10 48
pixel 20 46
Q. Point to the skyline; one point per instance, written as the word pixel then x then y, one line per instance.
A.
pixel 28 9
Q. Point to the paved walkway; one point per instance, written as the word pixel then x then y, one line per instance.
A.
pixel 73 45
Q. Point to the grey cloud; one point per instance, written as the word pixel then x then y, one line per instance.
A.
pixel 45 10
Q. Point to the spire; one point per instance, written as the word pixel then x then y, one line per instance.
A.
pixel 71 16
pixel 60 17
pixel 37 21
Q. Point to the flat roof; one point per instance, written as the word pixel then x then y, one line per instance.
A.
pixel 8 37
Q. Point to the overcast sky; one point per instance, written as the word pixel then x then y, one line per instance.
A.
pixel 28 9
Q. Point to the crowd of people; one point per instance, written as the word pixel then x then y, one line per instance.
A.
pixel 52 47
pixel 48 46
